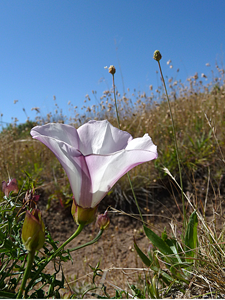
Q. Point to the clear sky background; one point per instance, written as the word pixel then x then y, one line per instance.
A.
pixel 60 48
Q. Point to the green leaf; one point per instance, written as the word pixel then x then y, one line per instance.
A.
pixel 191 236
pixel 157 241
pixel 175 249
pixel 143 257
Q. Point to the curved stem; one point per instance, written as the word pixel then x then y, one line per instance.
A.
pixel 88 243
pixel 27 273
pixel 76 233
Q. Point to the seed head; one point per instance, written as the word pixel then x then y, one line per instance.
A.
pixel 112 70
pixel 157 55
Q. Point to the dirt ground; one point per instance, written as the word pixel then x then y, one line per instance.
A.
pixel 115 250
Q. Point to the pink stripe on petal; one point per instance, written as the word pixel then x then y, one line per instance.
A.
pixel 105 171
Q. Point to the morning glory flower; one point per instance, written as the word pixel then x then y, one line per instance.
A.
pixel 94 156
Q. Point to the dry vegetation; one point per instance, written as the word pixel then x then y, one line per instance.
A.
pixel 199 115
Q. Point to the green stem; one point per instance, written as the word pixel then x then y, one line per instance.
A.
pixel 76 233
pixel 128 175
pixel 176 147
pixel 88 243
pixel 20 276
pixel 114 92
pixel 135 198
pixel 27 273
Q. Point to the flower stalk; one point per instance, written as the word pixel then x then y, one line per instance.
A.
pixel 112 71
pixel 30 259
pixel 118 121
pixel 157 56
pixel 88 243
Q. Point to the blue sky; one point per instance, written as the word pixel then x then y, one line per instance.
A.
pixel 61 47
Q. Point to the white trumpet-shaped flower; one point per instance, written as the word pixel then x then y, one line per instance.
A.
pixel 94 156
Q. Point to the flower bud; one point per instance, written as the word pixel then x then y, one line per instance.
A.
pixel 83 216
pixel 157 55
pixel 112 70
pixel 10 186
pixel 103 220
pixel 33 231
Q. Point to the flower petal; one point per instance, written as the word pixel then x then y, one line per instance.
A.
pixel 74 165
pixel 60 132
pixel 105 171
pixel 95 156
pixel 100 137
